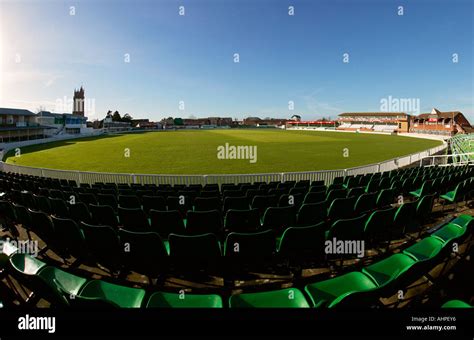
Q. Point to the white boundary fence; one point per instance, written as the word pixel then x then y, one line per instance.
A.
pixel 325 175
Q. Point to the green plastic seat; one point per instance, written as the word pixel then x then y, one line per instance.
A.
pixel 193 253
pixel 404 218
pixel 284 298
pixel 153 203
pixel 250 245
pixel 314 197
pixel 452 196
pixel 144 252
pixel 108 200
pixel 242 220
pixel 365 202
pixel 203 222
pixel 166 222
pixel 185 300
pixel 333 291
pixel 129 201
pixel 43 227
pixel 25 264
pixel 341 208
pixel 103 215
pixel 71 236
pixel 456 304
pixel 311 214
pixel 426 249
pixel 450 232
pixel 279 218
pixel 348 229
pixel 263 202
pixel 303 242
pixel 104 245
pixel 79 212
pixel 133 219
pixel 385 198
pixel 424 207
pixel 62 285
pixel 424 190
pixel 463 220
pixel 389 270
pixel 335 193
pixel 378 223
pixel 122 296
pixel 59 207
pixel 236 203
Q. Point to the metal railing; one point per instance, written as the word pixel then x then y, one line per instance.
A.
pixel 452 159
pixel 325 175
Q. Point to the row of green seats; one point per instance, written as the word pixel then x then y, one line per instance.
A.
pixel 358 287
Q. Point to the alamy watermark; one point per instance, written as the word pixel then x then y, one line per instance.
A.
pixel 22 247
pixel 47 323
pixel 237 152
pixel 345 247
pixel 67 104
pixel 407 105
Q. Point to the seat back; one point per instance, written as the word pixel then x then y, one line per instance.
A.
pixel 207 203
pixel 378 225
pixel 165 222
pixel 153 202
pixel 237 203
pixel 103 215
pixel 250 246
pixel 103 245
pixel 365 203
pixel 303 242
pixel 341 208
pixel 242 220
pixel 79 212
pixel 348 229
pixel 312 214
pixel 144 252
pixel 129 201
pixel 202 222
pixel 133 219
pixel 279 218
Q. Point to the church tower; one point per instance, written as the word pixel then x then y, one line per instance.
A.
pixel 78 102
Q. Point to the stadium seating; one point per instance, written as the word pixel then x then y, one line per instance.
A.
pixel 262 237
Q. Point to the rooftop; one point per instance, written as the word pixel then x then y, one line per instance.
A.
pixel 15 112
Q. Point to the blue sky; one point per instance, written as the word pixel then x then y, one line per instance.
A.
pixel 46 53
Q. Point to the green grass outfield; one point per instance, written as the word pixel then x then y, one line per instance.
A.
pixel 195 152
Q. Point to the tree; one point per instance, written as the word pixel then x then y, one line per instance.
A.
pixel 116 117
pixel 127 118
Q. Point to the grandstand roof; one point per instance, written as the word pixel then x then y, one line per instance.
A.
pixel 375 114
pixel 439 114
pixel 55 114
pixel 15 112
